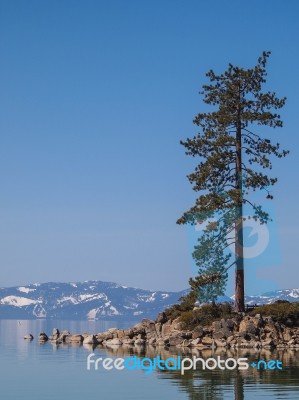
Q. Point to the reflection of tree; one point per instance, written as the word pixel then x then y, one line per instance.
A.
pixel 210 385
pixel 279 379
pixel 220 384
pixel 239 386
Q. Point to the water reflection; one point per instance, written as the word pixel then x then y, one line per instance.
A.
pixel 221 384
pixel 199 384
pixel 215 384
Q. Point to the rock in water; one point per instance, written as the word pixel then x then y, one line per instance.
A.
pixel 76 338
pixel 43 337
pixel 114 342
pixel 90 339
pixel 56 332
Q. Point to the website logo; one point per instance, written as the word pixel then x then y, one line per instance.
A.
pixel 177 364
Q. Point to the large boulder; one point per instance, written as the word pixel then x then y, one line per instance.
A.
pixel 228 324
pixel 120 334
pixel 76 339
pixel 64 338
pixel 55 337
pixel 216 326
pixel 55 332
pixel 90 339
pixel 162 341
pixel 167 328
pixel 147 322
pixel 139 329
pixel 114 342
pixel 223 333
pixel 223 329
pixel 161 318
pixel 128 342
pixel 43 337
pixel 152 341
pixel 175 340
pixel 194 342
pixel 176 324
pixel 108 335
pixel 197 332
pixel 129 333
pixel 287 334
pixel 220 343
pixel 150 330
pixel 248 326
pixel 207 341
pixel 65 332
pixel 158 327
pixel 267 343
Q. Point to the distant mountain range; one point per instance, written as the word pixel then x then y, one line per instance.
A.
pixel 290 295
pixel 101 300
pixel 81 301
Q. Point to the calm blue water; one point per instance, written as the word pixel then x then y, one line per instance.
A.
pixel 29 370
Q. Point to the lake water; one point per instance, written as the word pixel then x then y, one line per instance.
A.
pixel 33 371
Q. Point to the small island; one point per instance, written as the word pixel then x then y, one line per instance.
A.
pixel 207 327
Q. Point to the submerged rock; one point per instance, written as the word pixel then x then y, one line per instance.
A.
pixel 43 337
pixel 28 337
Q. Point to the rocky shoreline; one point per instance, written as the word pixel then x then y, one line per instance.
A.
pixel 242 331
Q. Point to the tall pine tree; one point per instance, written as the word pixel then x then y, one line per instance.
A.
pixel 233 159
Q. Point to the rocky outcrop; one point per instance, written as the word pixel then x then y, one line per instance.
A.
pixel 253 332
pixel 238 332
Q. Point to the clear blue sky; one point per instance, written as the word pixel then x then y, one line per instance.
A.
pixel 95 96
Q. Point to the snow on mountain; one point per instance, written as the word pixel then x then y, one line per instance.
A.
pixel 25 289
pixel 102 300
pixel 294 293
pixel 17 301
pixel 81 301
pixel 291 295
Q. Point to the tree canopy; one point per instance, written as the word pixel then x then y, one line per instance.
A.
pixel 233 161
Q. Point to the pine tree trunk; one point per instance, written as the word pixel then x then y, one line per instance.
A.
pixel 239 277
